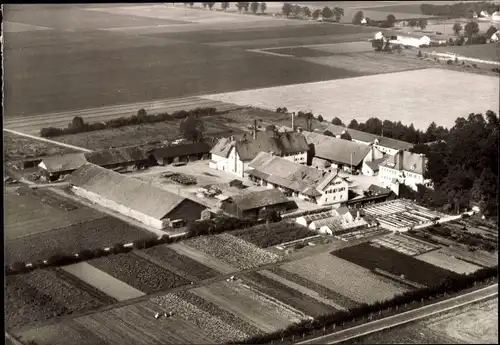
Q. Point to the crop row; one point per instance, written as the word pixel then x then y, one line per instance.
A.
pixel 138 272
pixel 233 250
pixel 268 235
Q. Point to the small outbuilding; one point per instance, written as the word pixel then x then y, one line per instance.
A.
pixel 122 157
pixel 53 167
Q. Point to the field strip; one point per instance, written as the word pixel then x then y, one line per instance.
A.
pixel 306 46
pixel 47 140
pixel 261 51
pixel 406 317
pixel 203 258
pixel 163 264
pixel 103 281
pixel 301 289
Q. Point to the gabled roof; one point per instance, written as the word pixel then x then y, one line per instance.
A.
pixel 127 191
pixel 377 190
pixel 374 164
pixel 67 162
pixel 120 155
pixel 329 178
pixel 406 161
pixel 288 174
pixel 252 200
pixel 337 150
pixel 223 147
pixel 181 150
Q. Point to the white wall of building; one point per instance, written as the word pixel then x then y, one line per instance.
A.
pixel 336 192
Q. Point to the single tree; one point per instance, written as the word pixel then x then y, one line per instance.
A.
pixel 327 13
pixel 211 5
pixel 412 23
pixel 316 14
pixel 422 23
pixel 77 123
pixel 457 27
pixel 224 6
pixel 306 11
pixel 286 9
pixel 142 113
pixel 491 30
pixel 338 122
pixel 239 6
pixel 254 7
pixel 358 17
pixel 391 19
pixel 346 136
pixel 263 7
pixel 471 29
pixel 328 133
pixel 353 124
pixel 320 118
pixel 338 12
pixel 192 128
pixel 246 6
pixel 205 4
pixel 297 10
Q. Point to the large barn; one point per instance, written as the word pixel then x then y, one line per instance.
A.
pixel 133 198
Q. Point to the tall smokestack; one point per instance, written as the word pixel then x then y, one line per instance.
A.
pixel 293 121
pixel 254 132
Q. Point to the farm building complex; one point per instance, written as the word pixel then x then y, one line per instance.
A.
pixel 181 153
pixel 252 204
pixel 298 180
pixel 335 221
pixel 233 154
pixel 404 168
pixel 133 198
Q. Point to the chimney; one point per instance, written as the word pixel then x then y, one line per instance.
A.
pixel 399 160
pixel 293 121
pixel 254 132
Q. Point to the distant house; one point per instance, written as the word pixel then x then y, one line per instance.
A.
pixel 133 198
pixel 250 205
pixel 332 153
pixel 182 153
pixel 122 157
pixel 384 144
pixel 298 180
pixel 53 167
pixel 233 154
pixel 410 39
pixel 404 168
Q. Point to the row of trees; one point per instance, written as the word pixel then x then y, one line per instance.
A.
pixel 464 168
pixel 358 17
pixel 254 6
pixel 459 9
pixel 305 12
pixel 471 30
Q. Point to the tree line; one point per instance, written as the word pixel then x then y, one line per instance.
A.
pixel 389 22
pixel 458 10
pixel 245 6
pixel 464 167
pixel 305 12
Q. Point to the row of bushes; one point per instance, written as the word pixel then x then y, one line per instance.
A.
pixel 199 228
pixel 79 126
pixel 451 285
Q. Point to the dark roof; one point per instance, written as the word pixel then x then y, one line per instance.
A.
pixel 67 162
pixel 406 161
pixel 374 164
pixel 337 150
pixel 181 150
pixel 127 191
pixel 370 138
pixel 120 155
pixel 252 200
pixel 377 190
pixel 223 147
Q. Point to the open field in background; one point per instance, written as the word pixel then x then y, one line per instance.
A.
pixel 331 272
pixel 375 256
pixel 384 93
pixel 42 294
pixel 440 259
pixel 474 323
pixel 254 308
pixel 103 232
pixel 233 250
pixel 478 51
pixel 17 147
pixel 138 272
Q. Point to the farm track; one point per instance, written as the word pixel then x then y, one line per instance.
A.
pixel 324 248
pixel 80 284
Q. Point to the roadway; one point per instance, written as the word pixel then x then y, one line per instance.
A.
pixel 406 317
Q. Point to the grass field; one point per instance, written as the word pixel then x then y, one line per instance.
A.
pixel 99 233
pixel 478 51
pixel 233 250
pixel 362 286
pixel 41 295
pixel 16 147
pixel 394 262
pixel 436 86
pixel 138 272
pixel 440 259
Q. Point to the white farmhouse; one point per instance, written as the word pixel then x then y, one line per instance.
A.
pixel 404 168
pixel 233 154
pixel 412 40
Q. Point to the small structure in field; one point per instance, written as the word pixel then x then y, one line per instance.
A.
pixel 183 152
pixel 133 198
pixel 251 205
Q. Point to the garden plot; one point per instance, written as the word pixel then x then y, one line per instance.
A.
pixel 234 251
pixel 440 259
pixel 352 281
pixel 41 295
pixel 136 324
pixel 405 244
pixel 259 310
pixel 362 233
pixel 202 258
pixel 63 333
pixel 370 257
pixel 138 272
pixel 478 257
pixel 187 306
pixel 177 263
pixel 268 235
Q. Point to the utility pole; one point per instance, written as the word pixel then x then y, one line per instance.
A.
pixel 351 162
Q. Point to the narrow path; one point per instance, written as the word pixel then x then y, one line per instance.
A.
pixel 47 140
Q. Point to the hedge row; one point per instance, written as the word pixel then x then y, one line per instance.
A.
pixel 449 286
pixel 307 212
pixel 203 227
pixel 141 117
